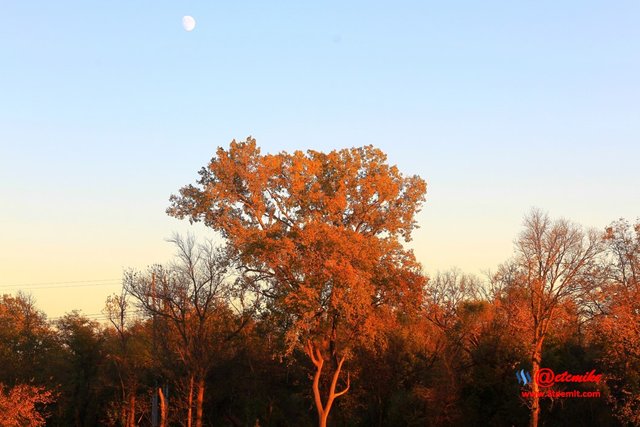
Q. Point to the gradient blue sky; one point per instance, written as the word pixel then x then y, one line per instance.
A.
pixel 106 108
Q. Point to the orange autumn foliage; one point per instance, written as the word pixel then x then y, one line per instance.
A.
pixel 23 405
pixel 320 232
pixel 618 329
pixel 319 235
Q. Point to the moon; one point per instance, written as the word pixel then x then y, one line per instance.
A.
pixel 188 23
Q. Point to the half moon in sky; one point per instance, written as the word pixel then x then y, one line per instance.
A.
pixel 188 23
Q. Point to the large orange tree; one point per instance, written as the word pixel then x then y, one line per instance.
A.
pixel 319 234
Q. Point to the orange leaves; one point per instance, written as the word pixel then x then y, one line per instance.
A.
pixel 323 228
pixel 22 405
pixel 352 188
pixel 619 333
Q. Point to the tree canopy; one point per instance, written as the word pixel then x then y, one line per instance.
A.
pixel 318 232
pixel 320 235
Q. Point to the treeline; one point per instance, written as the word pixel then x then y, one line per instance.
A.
pixel 311 312
pixel 452 362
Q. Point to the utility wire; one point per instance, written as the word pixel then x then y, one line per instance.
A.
pixel 66 286
pixel 96 316
pixel 34 287
pixel 15 285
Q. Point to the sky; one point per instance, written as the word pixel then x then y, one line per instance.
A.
pixel 108 108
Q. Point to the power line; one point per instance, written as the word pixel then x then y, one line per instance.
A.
pixel 97 316
pixel 53 285
pixel 12 285
pixel 67 286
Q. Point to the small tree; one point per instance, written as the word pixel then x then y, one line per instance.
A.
pixel 190 300
pixel 319 235
pixel 129 351
pixel 27 342
pixel 83 342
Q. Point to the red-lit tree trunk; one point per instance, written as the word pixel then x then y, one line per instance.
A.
pixel 323 409
pixel 535 399
pixel 199 401
pixel 190 402
pixel 163 408
pixel 131 416
pixel 540 330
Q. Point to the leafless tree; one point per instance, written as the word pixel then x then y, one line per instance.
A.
pixel 116 310
pixel 554 261
pixel 446 291
pixel 193 299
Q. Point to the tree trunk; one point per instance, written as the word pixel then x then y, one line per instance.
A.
pixel 190 402
pixel 323 410
pixel 536 358
pixel 535 400
pixel 163 408
pixel 199 401
pixel 323 419
pixel 131 416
